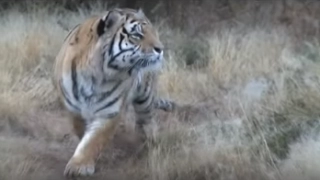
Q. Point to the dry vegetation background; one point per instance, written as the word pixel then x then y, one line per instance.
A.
pixel 246 73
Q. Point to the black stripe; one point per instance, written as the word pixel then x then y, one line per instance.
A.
pixel 146 93
pixel 144 63
pixel 108 104
pixel 114 58
pixel 134 27
pixel 130 41
pixel 100 28
pixel 144 110
pixel 107 17
pixel 140 122
pixel 115 67
pixel 104 48
pixel 93 80
pixel 141 101
pixel 103 60
pixel 133 67
pixel 146 88
pixel 111 46
pixel 112 115
pixel 124 30
pixel 64 93
pixel 130 71
pixel 110 22
pixel 104 81
pixel 74 79
pixel 149 105
pixel 120 42
pixel 139 87
pixel 108 93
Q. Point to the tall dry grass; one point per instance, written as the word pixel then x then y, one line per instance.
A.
pixel 249 100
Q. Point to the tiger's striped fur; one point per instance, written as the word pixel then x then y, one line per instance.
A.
pixel 105 64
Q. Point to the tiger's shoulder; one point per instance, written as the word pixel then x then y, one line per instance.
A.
pixel 76 46
pixel 82 36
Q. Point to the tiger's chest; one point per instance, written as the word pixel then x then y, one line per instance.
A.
pixel 94 97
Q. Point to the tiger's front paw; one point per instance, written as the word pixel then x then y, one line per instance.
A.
pixel 79 166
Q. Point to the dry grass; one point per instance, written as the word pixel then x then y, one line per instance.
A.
pixel 251 105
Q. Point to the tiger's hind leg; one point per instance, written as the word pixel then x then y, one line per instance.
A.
pixel 165 104
pixel 143 108
pixel 95 138
pixel 145 102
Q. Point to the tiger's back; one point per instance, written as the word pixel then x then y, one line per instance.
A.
pixel 104 64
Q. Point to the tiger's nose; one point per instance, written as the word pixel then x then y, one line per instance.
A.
pixel 157 50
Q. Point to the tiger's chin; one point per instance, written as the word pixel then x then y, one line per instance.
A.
pixel 153 66
pixel 150 66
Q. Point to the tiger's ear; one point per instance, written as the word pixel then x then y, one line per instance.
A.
pixel 108 21
pixel 140 13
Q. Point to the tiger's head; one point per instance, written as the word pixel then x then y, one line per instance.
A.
pixel 135 45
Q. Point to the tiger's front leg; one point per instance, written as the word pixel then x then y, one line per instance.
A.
pixel 96 137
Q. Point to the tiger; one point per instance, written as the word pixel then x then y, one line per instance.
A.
pixel 106 63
